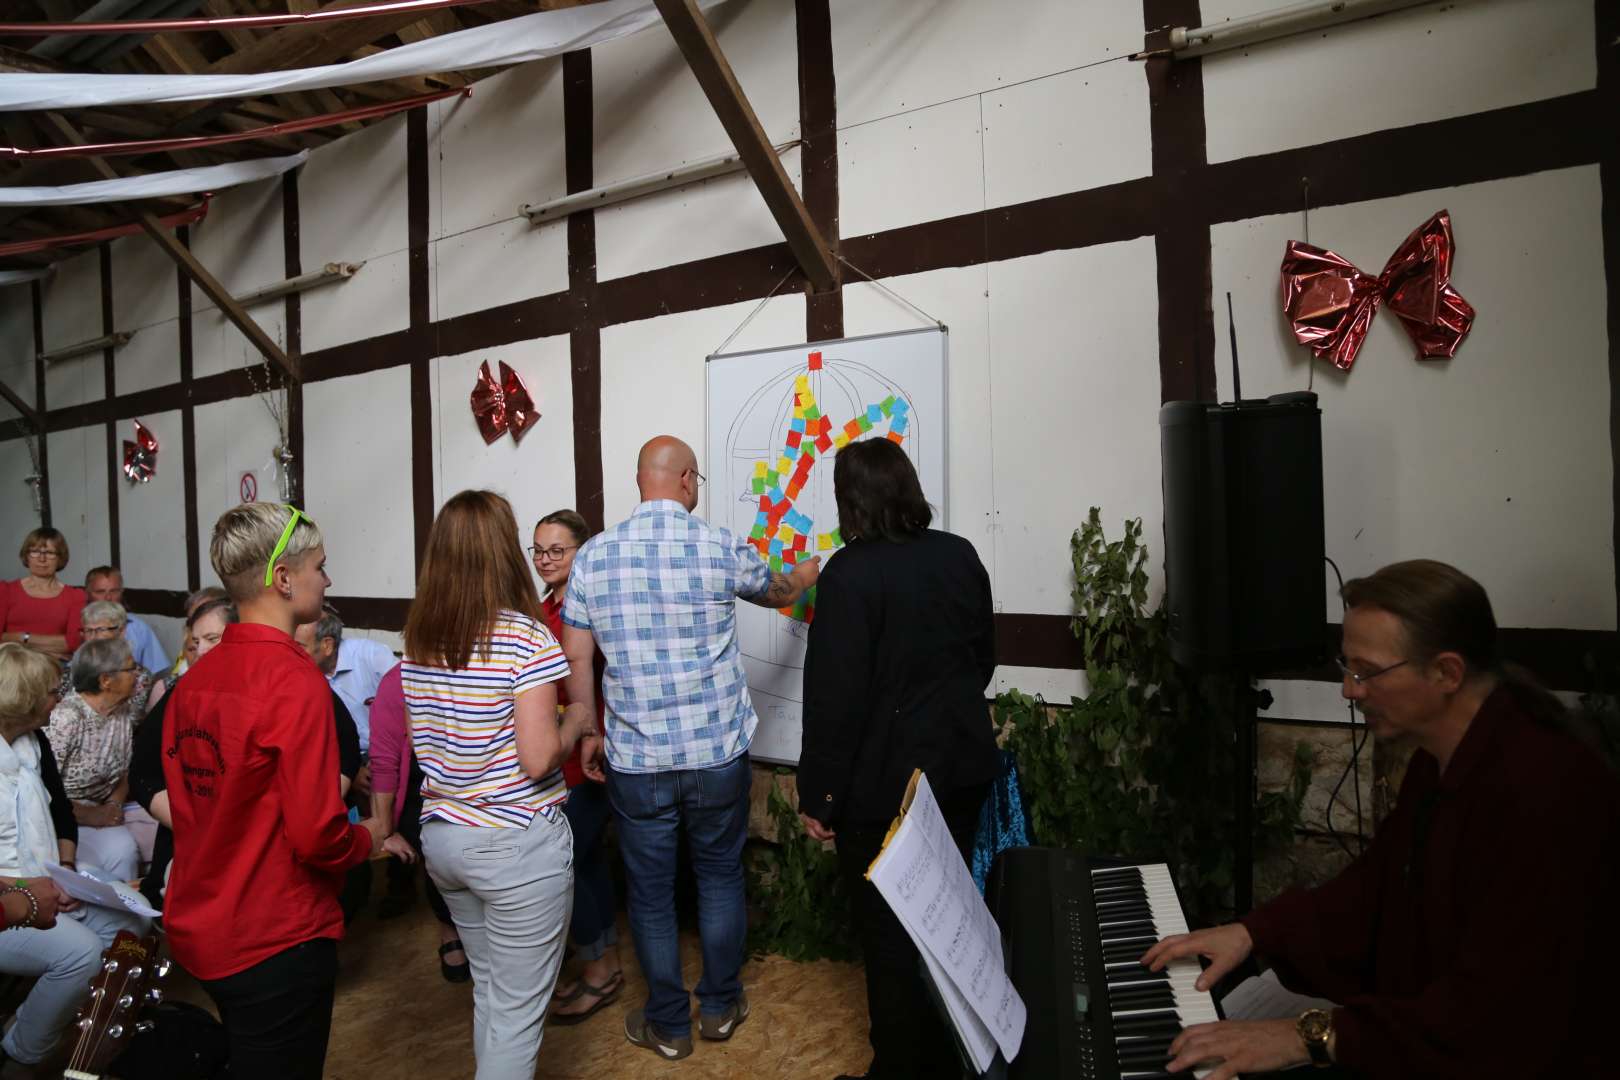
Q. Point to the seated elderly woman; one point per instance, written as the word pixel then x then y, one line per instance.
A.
pixel 36 831
pixel 103 620
pixel 92 731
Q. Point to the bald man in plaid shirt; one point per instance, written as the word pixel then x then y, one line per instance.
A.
pixel 656 594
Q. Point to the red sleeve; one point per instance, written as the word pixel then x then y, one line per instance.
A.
pixel 75 600
pixel 304 739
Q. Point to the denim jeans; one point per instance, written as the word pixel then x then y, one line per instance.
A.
pixel 594 905
pixel 509 891
pixel 713 805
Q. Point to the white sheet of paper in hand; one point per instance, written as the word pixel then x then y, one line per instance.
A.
pixel 921 874
pixel 81 886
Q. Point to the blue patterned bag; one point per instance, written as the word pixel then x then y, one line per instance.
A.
pixel 1002 824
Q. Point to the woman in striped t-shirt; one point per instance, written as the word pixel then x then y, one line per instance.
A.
pixel 479 676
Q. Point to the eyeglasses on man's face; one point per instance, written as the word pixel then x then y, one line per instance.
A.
pixel 550 554
pixel 1362 678
pixel 93 631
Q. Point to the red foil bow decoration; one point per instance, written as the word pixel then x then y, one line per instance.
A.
pixel 502 406
pixel 140 456
pixel 1331 303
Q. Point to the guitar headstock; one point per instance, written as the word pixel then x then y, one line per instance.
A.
pixel 110 1016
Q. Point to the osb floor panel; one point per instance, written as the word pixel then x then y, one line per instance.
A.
pixel 396 1016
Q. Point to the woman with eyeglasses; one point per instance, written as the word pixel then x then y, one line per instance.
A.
pixel 556 538
pixel 38 610
pixel 92 731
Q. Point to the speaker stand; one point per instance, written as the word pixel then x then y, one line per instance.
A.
pixel 1244 789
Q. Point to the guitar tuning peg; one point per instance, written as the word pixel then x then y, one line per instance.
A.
pixel 126 1001
pixel 144 1026
pixel 135 973
pixel 86 1024
pixel 154 996
pixel 116 1031
pixel 162 969
pixel 110 967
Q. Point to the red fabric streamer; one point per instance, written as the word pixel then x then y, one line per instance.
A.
pixel 192 142
pixel 227 22
pixel 140 456
pixel 1331 304
pixel 111 232
pixel 502 406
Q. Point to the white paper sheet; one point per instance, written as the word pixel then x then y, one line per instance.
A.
pixel 921 874
pixel 81 886
pixel 1263 997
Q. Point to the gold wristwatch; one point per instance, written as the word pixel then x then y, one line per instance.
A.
pixel 1315 1027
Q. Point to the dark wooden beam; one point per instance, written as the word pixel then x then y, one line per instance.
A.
pixel 174 249
pixel 28 411
pixel 696 41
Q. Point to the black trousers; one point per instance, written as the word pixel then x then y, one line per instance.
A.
pixel 910 1040
pixel 278 1013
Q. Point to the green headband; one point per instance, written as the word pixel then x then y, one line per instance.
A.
pixel 281 545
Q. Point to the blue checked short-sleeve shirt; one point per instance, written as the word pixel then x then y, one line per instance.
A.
pixel 658 591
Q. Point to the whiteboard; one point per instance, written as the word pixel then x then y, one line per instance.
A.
pixel 775 418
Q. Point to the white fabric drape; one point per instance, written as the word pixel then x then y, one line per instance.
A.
pixel 511 41
pixel 152 185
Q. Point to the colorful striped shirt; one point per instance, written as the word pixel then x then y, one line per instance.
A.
pixel 463 731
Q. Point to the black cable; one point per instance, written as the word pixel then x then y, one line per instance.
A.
pixel 1353 766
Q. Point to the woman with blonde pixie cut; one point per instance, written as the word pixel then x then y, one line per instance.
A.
pixel 261 837
pixel 479 677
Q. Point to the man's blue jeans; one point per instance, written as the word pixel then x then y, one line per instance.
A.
pixel 713 805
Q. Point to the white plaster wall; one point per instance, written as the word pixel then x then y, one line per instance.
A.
pixel 151 358
pixel 72 313
pixel 942 146
pixel 497 264
pixel 357 480
pixel 537 474
pixel 650 114
pixel 145 284
pixel 240 241
pixel 78 479
pixel 170 632
pixel 1408 67
pixel 233 437
pixel 1072 411
pixel 352 208
pixel 17 514
pixel 1499 460
pixel 890 58
pixel 653 383
pixel 152 516
pixel 498 149
pixel 17 344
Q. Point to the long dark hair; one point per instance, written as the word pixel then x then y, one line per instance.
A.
pixel 472 570
pixel 1441 610
pixel 879 496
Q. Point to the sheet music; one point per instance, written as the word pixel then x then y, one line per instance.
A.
pixel 81 886
pixel 921 874
pixel 1264 997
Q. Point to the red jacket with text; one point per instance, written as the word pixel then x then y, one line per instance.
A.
pixel 261 836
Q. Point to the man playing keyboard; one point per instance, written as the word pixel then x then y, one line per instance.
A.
pixel 1471 938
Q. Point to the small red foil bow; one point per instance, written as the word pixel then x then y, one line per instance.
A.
pixel 1331 304
pixel 140 456
pixel 502 406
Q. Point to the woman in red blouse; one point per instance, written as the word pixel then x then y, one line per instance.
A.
pixel 38 610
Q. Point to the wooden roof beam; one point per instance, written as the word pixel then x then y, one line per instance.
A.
pixel 171 246
pixel 15 400
pixel 696 41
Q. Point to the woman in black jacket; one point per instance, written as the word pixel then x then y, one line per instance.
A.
pixel 901 649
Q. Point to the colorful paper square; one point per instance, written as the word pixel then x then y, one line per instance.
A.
pixel 823 443
pixel 840 440
pixel 815 361
pixel 759 485
pixel 852 430
pixel 865 424
pixel 776 563
pixel 874 413
pixel 759 468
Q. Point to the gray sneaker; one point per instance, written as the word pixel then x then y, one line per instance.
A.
pixel 641 1033
pixel 719 1028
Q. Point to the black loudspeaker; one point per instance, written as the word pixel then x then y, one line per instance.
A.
pixel 1244 567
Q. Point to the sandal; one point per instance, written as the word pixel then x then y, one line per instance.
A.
pixel 455 973
pixel 605 994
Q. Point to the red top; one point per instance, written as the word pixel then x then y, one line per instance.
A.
pixel 551 607
pixel 261 836
pixel 21 613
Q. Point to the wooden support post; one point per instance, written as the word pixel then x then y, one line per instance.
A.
pixel 174 249
pixel 696 42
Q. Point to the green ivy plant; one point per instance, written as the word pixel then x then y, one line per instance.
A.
pixel 1144 765
pixel 798 889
